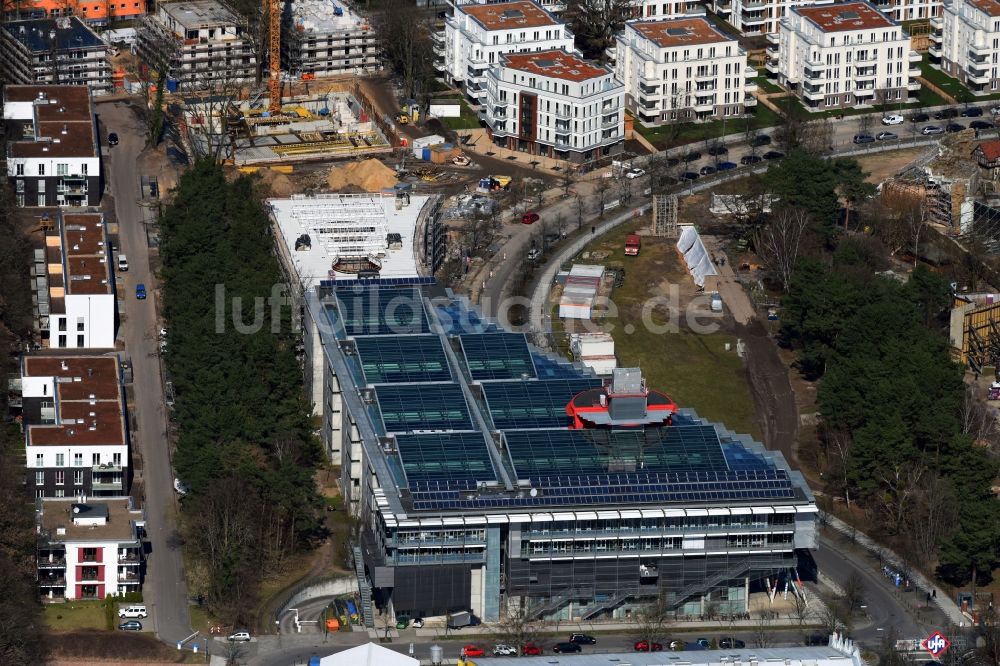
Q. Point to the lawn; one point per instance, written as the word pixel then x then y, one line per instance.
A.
pixel 767 85
pixel 693 369
pixel 946 83
pixel 468 120
pixel 667 136
pixel 74 615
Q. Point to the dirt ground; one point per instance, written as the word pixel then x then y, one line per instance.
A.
pixel 886 165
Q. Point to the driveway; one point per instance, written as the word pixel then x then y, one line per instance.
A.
pixel 165 589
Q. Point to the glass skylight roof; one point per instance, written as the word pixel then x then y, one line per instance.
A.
pixel 407 407
pixel 390 359
pixel 497 356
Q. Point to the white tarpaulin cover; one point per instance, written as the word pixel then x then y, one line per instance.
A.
pixel 695 255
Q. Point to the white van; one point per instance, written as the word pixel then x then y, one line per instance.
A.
pixel 122 263
pixel 133 611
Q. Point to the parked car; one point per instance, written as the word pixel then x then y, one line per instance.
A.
pixel 239 637
pixel 944 114
pixel 931 129
pixel 725 166
pixel 182 489
pixel 566 648
pixel 817 639
pixel 645 646
pixel 689 175
pixel 691 156
pixel 635 173
pixel 529 218
pixel 981 124
pixel 418 623
pixel 773 155
pixel 112 139
pixel 892 119
pixel 672 161
pixel 954 127
pixel 718 149
pixel 122 263
pixel 582 639
pixel 140 291
pixel 534 253
pixel 731 643
pixel 972 112
pixel 677 646
pixel 705 643
pixel 502 650
pixel 130 625
pixel 886 136
pixel 863 138
pixel 531 650
pixel 749 159
pixel 761 140
pixel 133 612
pixel 707 170
pixel 919 118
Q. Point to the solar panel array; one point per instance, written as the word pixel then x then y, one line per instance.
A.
pixel 391 359
pixel 384 311
pixel 407 407
pixel 533 404
pixel 461 458
pixel 497 356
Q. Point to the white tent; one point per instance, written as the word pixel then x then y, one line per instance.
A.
pixel 369 654
pixel 695 255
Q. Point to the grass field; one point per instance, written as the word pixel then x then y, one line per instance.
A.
pixel 693 369
pixel 694 132
pixel 74 615
pixel 946 83
pixel 468 120
pixel 766 84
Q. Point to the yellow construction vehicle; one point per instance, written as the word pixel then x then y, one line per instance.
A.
pixel 403 119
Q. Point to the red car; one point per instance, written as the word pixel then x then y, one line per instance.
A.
pixel 529 218
pixel 530 650
pixel 473 651
pixel 644 646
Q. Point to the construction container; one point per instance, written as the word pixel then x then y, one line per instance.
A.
pixel 425 154
pixel 172 85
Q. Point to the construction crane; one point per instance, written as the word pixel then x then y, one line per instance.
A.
pixel 272 9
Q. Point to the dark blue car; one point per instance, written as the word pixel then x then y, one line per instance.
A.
pixel 140 291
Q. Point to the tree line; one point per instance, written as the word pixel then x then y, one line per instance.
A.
pixel 246 447
pixel 901 434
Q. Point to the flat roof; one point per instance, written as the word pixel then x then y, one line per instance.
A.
pixel 88 400
pixel 84 245
pixel 509 15
pixel 989 7
pixel 375 215
pixel 70 33
pixel 555 64
pixel 795 656
pixel 193 14
pixel 63 122
pixel 845 16
pixel 680 32
pixel 57 513
pixel 320 16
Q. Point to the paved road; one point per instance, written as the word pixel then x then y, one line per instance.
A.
pixel 165 587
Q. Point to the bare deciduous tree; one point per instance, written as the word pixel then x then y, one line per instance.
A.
pixel 652 620
pixel 580 208
pixel 932 516
pixel 900 481
pixel 405 36
pixel 763 630
pixel 596 22
pixel 778 243
pixel 854 593
pixel 516 627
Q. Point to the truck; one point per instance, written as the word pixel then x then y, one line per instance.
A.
pixel 632 243
pixel 459 620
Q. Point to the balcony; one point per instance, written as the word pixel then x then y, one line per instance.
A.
pixel 724 7
pixel 977 75
pixel 935 37
pixel 54 563
pixel 811 75
pixel 979 50
pixel 704 106
pixel 753 19
pixel 706 75
pixel 913 71
pixel 815 62
pixel 864 92
pixel 937 22
pixel 774 38
pixel 749 100
pixel 52 581
pixel 128 557
pixel 439 49
pixel 914 56
pixel 772 65
pixel 648 90
pixel 749 86
pixel 934 50
pixel 109 468
pixel 978 58
pixel 128 577
pixel 913 84
pixel 813 92
pixel 610 121
pixel 107 484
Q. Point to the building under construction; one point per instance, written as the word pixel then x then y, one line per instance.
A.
pixel 325 38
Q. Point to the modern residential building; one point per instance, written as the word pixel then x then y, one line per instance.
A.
pixel 202 44
pixel 556 104
pixel 476 36
pixel 324 38
pixel 76 442
pixel 88 549
pixel 488 474
pixel 63 51
pixel 94 12
pixel 756 17
pixel 648 10
pixel 844 55
pixel 53 151
pixel 911 10
pixel 683 69
pixel 965 43
pixel 75 284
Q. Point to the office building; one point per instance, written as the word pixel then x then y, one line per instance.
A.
pixel 63 51
pixel 555 104
pixel 682 70
pixel 53 152
pixel 845 55
pixel 477 35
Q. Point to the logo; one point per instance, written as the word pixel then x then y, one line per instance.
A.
pixel 936 644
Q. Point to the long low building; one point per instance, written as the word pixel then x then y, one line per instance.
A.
pixel 488 475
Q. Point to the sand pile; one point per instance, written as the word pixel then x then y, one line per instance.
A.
pixel 368 176
pixel 279 184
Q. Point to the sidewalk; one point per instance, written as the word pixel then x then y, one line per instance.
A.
pixel 480 144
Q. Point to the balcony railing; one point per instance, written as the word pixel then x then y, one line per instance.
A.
pixel 109 484
pixel 58 581
pixel 110 468
pixel 55 563
pixel 813 93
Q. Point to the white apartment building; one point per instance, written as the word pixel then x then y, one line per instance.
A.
pixel 756 17
pixel 966 43
pixel 53 156
pixel 88 549
pixel 844 55
pixel 555 104
pixel 325 38
pixel 476 36
pixel 201 43
pixel 74 426
pixel 910 10
pixel 682 69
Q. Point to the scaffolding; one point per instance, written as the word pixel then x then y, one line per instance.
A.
pixel 351 227
pixel 665 216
